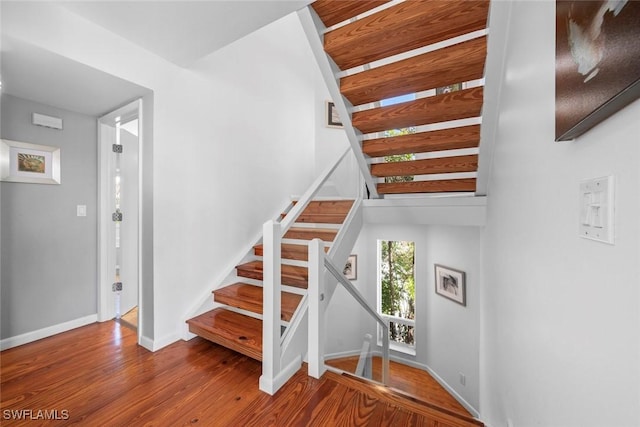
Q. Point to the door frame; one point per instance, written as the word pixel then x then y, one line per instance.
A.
pixel 106 308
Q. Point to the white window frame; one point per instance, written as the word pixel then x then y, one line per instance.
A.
pixel 393 345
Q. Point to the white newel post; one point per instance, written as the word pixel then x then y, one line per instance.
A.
pixel 316 311
pixel 271 306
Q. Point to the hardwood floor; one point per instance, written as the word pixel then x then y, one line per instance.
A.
pixel 410 381
pixel 98 376
pixel 131 317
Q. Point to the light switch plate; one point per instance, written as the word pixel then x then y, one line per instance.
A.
pixel 81 210
pixel 597 209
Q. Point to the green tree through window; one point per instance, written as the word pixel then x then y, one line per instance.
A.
pixel 398 291
pixel 399 157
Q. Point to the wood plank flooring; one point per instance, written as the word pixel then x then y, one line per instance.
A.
pixel 97 375
pixel 410 381
pixel 130 318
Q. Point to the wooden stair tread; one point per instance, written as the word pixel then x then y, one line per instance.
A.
pixel 332 12
pixel 403 27
pixel 454 64
pixel 328 206
pixel 451 164
pixel 319 218
pixel 324 211
pixel 291 275
pixel 423 142
pixel 437 186
pixel 249 297
pixel 299 233
pixel 289 251
pixel 230 329
pixel 461 104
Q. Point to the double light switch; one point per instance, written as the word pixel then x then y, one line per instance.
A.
pixel 596 209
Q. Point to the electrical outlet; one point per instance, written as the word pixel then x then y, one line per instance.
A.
pixel 463 379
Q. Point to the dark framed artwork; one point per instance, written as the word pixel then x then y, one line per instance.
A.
pixel 597 62
pixel 332 118
pixel 351 268
pixel 447 89
pixel 450 283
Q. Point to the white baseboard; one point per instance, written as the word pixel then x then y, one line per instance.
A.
pixel 188 336
pixel 272 385
pixel 474 412
pixel 146 342
pixel 46 332
pixel 165 341
pixel 342 354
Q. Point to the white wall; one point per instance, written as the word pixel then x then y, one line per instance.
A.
pixel 560 314
pixel 231 141
pixel 451 338
pixel 329 144
pixel 446 332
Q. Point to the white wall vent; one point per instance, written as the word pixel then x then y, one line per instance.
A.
pixel 47 121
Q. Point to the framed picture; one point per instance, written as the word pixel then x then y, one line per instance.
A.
pixel 597 62
pixel 450 284
pixel 332 118
pixel 29 163
pixel 446 89
pixel 351 268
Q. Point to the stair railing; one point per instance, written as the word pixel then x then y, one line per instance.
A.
pixel 274 375
pixel 319 265
pixel 365 361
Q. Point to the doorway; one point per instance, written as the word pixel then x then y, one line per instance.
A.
pixel 119 142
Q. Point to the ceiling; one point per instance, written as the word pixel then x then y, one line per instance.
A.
pixel 183 31
pixel 180 31
pixel 36 74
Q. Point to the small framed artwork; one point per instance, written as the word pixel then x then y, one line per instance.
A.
pixel 450 284
pixel 351 267
pixel 29 163
pixel 447 89
pixel 332 118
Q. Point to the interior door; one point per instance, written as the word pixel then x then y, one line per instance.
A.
pixel 119 213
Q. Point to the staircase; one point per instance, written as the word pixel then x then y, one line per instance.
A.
pixel 432 55
pixel 237 323
pixel 432 52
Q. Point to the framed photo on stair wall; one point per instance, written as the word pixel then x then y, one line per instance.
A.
pixel 597 62
pixel 332 118
pixel 450 283
pixel 351 268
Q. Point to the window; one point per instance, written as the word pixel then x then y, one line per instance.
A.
pixel 399 157
pixel 397 291
pixel 410 129
pixel 398 132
